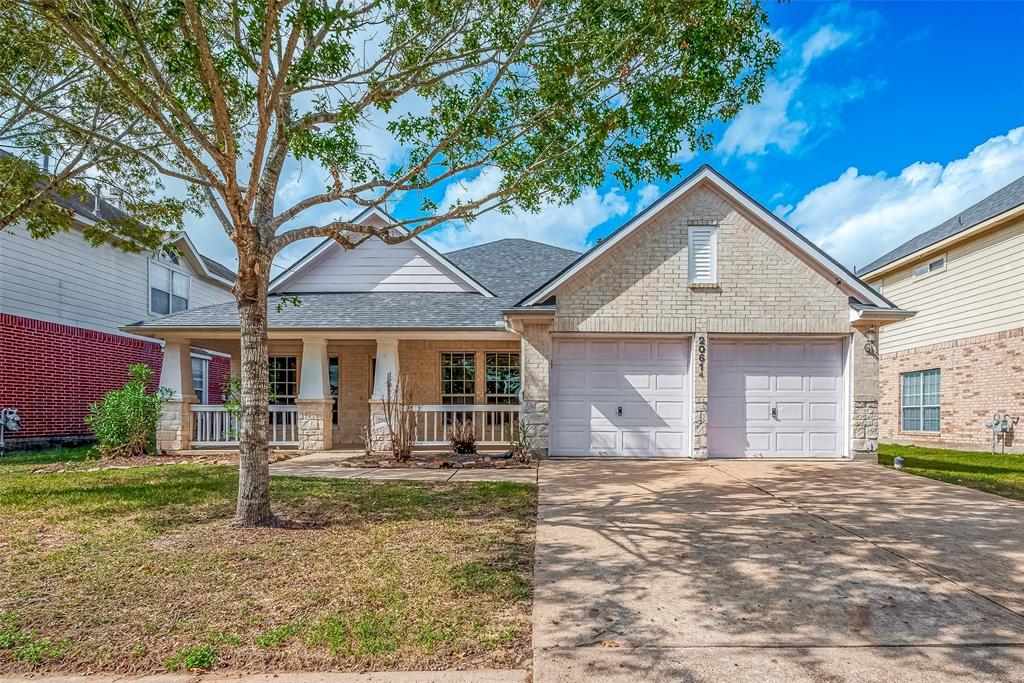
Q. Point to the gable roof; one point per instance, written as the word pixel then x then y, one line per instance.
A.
pixel 508 267
pixel 999 202
pixel 706 174
pixel 311 257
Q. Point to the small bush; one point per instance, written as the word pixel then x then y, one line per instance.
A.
pixel 193 658
pixel 462 437
pixel 125 420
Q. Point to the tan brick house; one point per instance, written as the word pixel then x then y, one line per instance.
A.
pixel 960 360
pixel 703 327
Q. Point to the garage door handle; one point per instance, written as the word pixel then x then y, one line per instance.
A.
pixel 619 411
pixel 775 413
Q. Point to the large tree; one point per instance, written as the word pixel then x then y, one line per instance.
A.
pixel 550 96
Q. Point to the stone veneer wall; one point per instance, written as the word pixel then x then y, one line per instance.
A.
pixel 535 345
pixel 979 376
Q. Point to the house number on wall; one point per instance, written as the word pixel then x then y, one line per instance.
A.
pixel 702 349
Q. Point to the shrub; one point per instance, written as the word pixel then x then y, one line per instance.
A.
pixel 462 437
pixel 520 437
pixel 125 420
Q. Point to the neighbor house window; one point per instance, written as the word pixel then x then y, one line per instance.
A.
pixel 201 378
pixel 458 378
pixel 284 386
pixel 168 289
pixel 502 378
pixel 703 252
pixel 334 378
pixel 932 266
pixel 919 401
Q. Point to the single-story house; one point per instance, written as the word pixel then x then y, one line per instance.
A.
pixel 946 373
pixel 703 327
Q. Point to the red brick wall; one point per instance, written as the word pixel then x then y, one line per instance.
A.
pixel 51 373
pixel 979 376
pixel 220 371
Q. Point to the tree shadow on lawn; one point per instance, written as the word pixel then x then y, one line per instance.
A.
pixel 665 563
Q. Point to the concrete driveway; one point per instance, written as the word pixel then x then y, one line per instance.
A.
pixel 756 571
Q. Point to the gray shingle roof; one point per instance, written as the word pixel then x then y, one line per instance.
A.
pixel 218 269
pixel 506 267
pixel 996 203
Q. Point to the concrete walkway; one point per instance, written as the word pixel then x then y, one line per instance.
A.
pixel 754 571
pixel 333 464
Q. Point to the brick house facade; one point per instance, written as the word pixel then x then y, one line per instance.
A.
pixel 964 280
pixel 704 327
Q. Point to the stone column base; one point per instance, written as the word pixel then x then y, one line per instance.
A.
pixel 536 415
pixel 174 430
pixel 864 442
pixel 700 429
pixel 314 424
pixel 380 435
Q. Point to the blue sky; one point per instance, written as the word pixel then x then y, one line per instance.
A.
pixel 881 120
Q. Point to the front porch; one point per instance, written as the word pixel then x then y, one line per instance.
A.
pixel 330 391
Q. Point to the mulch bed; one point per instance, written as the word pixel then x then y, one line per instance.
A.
pixel 97 464
pixel 442 461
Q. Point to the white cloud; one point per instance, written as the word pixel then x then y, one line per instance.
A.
pixel 791 106
pixel 562 225
pixel 646 196
pixel 857 217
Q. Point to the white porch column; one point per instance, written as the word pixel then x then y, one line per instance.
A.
pixel 386 364
pixel 314 400
pixel 174 431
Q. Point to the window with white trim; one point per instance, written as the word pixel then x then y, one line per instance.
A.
pixel 334 380
pixel 284 379
pixel 201 379
pixel 933 266
pixel 703 254
pixel 458 378
pixel 920 394
pixel 502 378
pixel 168 289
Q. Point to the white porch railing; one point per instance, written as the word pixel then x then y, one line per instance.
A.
pixel 215 426
pixel 491 423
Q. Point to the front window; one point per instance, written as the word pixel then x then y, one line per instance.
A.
pixel 334 378
pixel 168 289
pixel 919 401
pixel 458 378
pixel 201 379
pixel 503 378
pixel 284 386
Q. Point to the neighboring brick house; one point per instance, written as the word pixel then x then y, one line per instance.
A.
pixel 62 303
pixel 960 360
pixel 703 327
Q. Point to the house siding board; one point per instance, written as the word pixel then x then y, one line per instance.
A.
pixel 63 279
pixel 980 376
pixel 978 293
pixel 375 267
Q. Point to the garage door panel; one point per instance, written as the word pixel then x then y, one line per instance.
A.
pixel 803 381
pixel 645 378
pixel 637 350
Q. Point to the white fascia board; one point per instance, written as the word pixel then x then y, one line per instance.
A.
pixel 440 258
pixel 198 259
pixel 773 223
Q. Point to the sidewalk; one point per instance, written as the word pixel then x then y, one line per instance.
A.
pixel 332 464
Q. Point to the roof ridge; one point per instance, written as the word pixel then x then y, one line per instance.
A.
pixel 511 239
pixel 898 252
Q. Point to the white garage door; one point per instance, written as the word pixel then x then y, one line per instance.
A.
pixel 776 399
pixel 624 397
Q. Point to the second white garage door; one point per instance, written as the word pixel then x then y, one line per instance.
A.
pixel 776 399
pixel 625 397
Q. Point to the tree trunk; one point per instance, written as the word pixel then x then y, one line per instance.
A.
pixel 253 443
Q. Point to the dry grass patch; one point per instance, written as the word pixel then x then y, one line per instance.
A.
pixel 139 570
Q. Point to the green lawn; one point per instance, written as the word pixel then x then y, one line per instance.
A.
pixel 139 570
pixel 999 474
